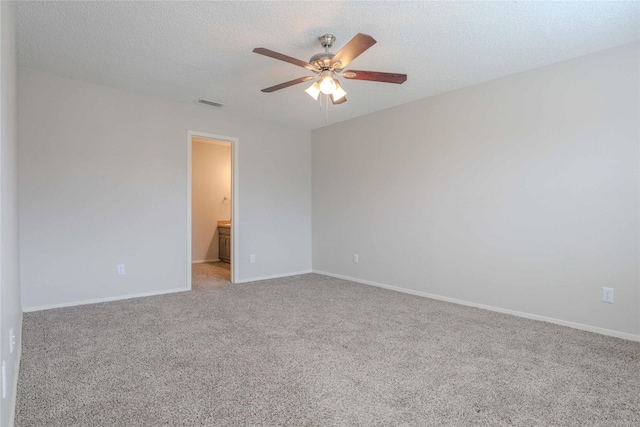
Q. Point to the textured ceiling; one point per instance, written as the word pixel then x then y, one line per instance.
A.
pixel 190 50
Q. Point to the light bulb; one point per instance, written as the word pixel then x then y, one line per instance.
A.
pixel 314 90
pixel 327 85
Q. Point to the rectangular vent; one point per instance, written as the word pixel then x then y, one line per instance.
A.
pixel 213 104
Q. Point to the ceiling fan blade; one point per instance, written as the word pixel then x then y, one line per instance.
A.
pixel 285 58
pixel 287 84
pixel 353 49
pixel 375 76
pixel 339 101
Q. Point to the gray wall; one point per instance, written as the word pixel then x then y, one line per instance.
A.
pixel 520 194
pixel 11 307
pixel 103 181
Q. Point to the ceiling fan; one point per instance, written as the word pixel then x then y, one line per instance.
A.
pixel 327 66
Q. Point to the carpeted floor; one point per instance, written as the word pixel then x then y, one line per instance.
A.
pixel 316 351
pixel 210 274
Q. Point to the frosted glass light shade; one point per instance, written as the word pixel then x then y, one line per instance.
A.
pixel 338 93
pixel 314 90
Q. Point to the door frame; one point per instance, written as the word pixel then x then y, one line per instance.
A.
pixel 235 147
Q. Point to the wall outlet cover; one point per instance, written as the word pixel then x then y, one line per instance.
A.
pixel 607 295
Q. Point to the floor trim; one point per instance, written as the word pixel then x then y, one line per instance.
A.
pixel 602 331
pixel 14 399
pixel 202 261
pixel 99 300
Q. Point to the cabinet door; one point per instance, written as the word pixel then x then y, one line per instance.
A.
pixel 224 248
pixel 221 247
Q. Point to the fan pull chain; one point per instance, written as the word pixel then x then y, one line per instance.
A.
pixel 326 109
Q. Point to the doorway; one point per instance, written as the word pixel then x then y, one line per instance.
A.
pixel 211 207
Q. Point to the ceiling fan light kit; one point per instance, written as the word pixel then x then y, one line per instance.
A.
pixel 328 66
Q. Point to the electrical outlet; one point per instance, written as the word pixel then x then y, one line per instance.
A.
pixel 252 258
pixel 12 340
pixel 356 258
pixel 607 295
pixel 120 269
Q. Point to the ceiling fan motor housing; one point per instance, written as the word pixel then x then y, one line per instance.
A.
pixel 322 61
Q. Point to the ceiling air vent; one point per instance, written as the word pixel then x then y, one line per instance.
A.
pixel 213 104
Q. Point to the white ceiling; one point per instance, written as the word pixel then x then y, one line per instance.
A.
pixel 190 50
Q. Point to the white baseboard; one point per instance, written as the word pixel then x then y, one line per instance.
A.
pixel 14 384
pixel 202 261
pixel 603 331
pixel 98 300
pixel 277 276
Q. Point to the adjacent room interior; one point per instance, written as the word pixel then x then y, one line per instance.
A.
pixel 455 240
pixel 211 209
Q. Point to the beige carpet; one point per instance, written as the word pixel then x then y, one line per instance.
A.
pixel 316 351
pixel 210 274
